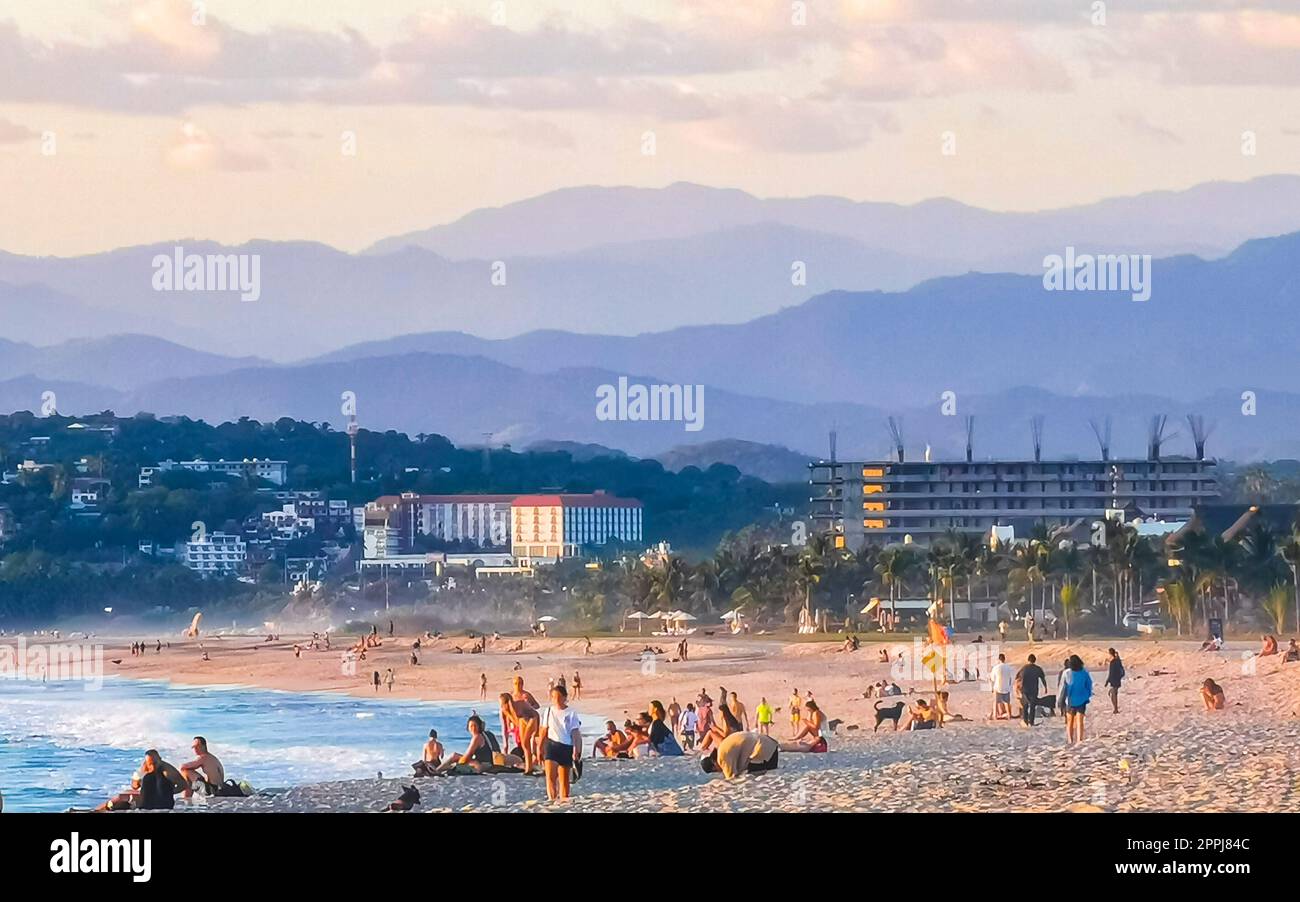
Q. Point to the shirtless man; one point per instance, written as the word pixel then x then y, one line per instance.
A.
pixel 739 711
pixel 742 752
pixel 205 762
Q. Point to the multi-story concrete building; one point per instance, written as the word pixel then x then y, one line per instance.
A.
pixel 889 501
pixel 217 554
pixel 551 527
pixel 273 471
pixel 482 520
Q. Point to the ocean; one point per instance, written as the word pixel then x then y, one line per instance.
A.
pixel 62 746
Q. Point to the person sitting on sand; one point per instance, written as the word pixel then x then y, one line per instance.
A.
pixel 521 719
pixel 809 737
pixel 920 716
pixel 606 746
pixel 428 764
pixel 1292 653
pixel 1212 695
pixel 1269 646
pixel 742 752
pixel 662 739
pixel 883 656
pixel 945 714
pixel 478 757
pixel 206 765
pixel 1214 643
pixel 725 724
pixel 153 787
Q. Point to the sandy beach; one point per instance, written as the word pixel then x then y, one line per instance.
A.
pixel 1162 752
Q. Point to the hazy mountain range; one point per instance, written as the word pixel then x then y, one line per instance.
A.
pixel 617 261
pixel 794 364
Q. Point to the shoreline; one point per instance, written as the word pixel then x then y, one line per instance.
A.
pixel 1180 757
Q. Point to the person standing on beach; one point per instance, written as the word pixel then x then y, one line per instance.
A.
pixel 1001 678
pixel 796 704
pixel 1029 678
pixel 389 679
pixel 739 711
pixel 764 714
pixel 674 715
pixel 1002 629
pixel 690 720
pixel 561 742
pixel 1076 690
pixel 376 680
pixel 577 685
pixel 1114 676
pixel 482 686
pixel 1029 627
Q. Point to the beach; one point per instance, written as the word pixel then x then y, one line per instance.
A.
pixel 1162 752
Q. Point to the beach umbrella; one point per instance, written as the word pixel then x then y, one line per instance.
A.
pixel 547 619
pixel 871 606
pixel 638 616
pixel 731 615
pixel 683 615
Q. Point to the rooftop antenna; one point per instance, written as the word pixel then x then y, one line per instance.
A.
pixel 1103 436
pixel 970 438
pixel 487 452
pixel 1158 436
pixel 353 429
pixel 834 437
pixel 896 430
pixel 1036 427
pixel 1199 433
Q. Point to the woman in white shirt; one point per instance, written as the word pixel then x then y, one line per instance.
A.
pixel 561 742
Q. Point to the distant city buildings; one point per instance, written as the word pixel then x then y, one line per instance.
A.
pixel 273 471
pixel 535 528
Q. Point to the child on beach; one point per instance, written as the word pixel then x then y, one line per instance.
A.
pixel 689 722
pixel 1212 695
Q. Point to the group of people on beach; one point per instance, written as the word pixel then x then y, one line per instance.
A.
pixel 548 736
pixel 156 784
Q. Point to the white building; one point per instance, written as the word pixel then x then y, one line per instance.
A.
pixel 273 471
pixel 218 554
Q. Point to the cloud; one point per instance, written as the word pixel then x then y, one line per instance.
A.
pixel 788 125
pixel 1140 125
pixel 192 149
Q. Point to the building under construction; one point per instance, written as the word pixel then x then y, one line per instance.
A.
pixel 884 501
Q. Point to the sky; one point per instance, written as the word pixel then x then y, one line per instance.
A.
pixel 125 122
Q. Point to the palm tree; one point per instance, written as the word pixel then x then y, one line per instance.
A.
pixel 1275 604
pixel 892 568
pixel 1290 552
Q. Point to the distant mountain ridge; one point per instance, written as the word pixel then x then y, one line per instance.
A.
pixel 609 261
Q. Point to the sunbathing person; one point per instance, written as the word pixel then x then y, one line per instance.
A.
pixel 153 787
pixel 725 724
pixel 809 737
pixel 1269 646
pixel 522 719
pixel 920 716
pixel 1292 653
pixel 945 713
pixel 661 736
pixel 1212 695
pixel 638 738
pixel 608 745
pixel 432 758
pixel 741 752
pixel 478 757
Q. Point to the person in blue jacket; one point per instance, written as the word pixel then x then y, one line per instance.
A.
pixel 1076 692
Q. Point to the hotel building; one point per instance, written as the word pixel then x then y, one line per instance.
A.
pixel 552 527
pixel 880 502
